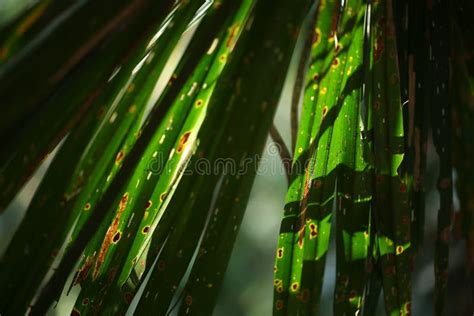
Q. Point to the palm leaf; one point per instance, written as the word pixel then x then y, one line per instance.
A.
pixel 105 117
pixel 18 162
pixel 339 175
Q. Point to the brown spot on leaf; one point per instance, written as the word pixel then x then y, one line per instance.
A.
pixel 280 253
pixel 379 47
pixel 148 205
pixel 316 37
pixel 116 237
pixel 325 111
pixel 119 157
pixel 182 142
pixel 162 196
pixel 111 234
pixel 294 286
pixel 279 304
pixel 403 188
pixel 233 33
pixel 128 297
pixel 84 270
pixel 313 230
pixel 399 250
pixel 304 296
pixel 301 236
pixel 352 295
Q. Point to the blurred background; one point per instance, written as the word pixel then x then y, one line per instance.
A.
pixel 248 285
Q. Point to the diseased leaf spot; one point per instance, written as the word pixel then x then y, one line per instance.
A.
pixel 313 231
pixel 280 253
pixel 233 33
pixel 113 235
pixel 148 205
pixel 199 103
pixel 75 312
pixel 119 157
pixel 101 112
pixel 295 286
pixel 352 295
pixel 85 301
pixel 399 250
pixel 182 142
pixel 87 207
pixel 408 308
pixel 128 297
pixel 301 236
pixel 146 229
pixel 325 111
pixel 162 196
pixel 304 296
pixel 124 200
pixel 116 237
pixel 317 37
pixel 188 300
pixel 379 48
pixel 403 188
pixel 84 271
pixel 279 304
